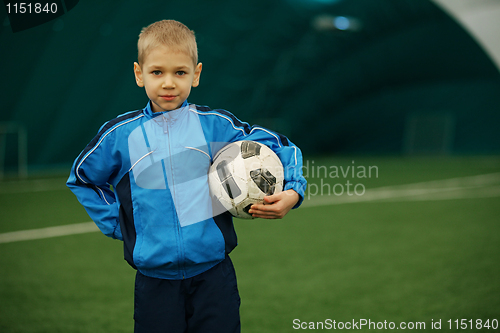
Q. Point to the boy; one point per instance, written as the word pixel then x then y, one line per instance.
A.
pixel 157 161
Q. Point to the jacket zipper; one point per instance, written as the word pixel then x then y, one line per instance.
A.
pixel 177 222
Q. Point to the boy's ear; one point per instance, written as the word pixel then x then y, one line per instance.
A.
pixel 197 73
pixel 138 75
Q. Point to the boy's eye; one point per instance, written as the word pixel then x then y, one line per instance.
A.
pixel 181 73
pixel 156 72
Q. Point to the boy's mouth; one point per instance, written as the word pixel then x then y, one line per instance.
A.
pixel 168 97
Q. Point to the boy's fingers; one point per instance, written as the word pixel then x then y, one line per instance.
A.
pixel 272 208
pixel 267 215
pixel 265 211
pixel 271 198
pixel 263 208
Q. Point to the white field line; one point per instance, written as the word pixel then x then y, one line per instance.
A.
pixel 63 230
pixel 447 189
pixel 456 188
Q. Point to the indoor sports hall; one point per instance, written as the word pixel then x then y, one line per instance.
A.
pixel 395 105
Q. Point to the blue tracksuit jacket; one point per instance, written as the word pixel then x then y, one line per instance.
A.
pixel 159 202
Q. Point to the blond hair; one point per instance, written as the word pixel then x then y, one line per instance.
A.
pixel 170 33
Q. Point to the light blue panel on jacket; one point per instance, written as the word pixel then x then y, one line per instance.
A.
pixel 171 149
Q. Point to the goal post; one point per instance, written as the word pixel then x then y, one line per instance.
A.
pixel 20 133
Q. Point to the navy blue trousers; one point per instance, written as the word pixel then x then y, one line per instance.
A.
pixel 206 303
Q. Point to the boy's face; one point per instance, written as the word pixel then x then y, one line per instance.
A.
pixel 167 77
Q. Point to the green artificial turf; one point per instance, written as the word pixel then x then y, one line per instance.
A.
pixel 393 260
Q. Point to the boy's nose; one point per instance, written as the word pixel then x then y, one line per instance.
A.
pixel 168 83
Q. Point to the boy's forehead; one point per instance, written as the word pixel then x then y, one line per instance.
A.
pixel 163 54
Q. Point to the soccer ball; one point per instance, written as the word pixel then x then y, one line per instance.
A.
pixel 242 174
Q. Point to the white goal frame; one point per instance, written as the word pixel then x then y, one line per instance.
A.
pixel 12 127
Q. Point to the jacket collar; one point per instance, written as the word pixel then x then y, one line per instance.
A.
pixel 150 114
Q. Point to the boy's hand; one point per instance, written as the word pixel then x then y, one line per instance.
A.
pixel 275 206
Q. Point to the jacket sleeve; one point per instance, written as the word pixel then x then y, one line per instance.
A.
pixel 290 155
pixel 88 180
